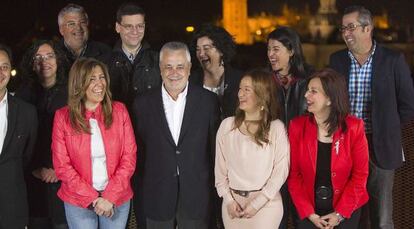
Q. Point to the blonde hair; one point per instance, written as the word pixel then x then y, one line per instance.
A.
pixel 79 80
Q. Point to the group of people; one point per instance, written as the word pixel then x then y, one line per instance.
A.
pixel 92 133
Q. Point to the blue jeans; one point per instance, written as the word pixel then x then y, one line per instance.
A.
pixel 83 218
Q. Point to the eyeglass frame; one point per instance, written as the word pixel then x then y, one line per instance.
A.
pixel 81 23
pixel 5 68
pixel 128 27
pixel 40 58
pixel 351 27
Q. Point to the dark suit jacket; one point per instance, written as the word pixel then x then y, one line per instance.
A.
pixel 194 154
pixel 230 101
pixel 392 101
pixel 15 155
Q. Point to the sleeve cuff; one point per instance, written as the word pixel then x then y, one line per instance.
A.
pixel 227 198
pixel 258 202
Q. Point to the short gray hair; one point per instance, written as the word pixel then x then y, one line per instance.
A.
pixel 71 8
pixel 364 15
pixel 175 46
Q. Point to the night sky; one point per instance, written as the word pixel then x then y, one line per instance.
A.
pixel 23 20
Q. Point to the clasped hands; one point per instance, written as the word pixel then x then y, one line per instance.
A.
pixel 328 221
pixel 103 207
pixel 236 211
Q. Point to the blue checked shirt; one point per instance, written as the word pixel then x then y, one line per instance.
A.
pixel 360 91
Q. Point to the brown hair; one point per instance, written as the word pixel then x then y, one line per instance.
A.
pixel 335 88
pixel 264 88
pixel 79 80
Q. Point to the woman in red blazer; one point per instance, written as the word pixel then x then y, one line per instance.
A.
pixel 94 151
pixel 329 157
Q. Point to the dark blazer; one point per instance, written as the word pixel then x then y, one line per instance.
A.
pixel 229 102
pixel 15 155
pixel 194 154
pixel 392 101
pixel 94 49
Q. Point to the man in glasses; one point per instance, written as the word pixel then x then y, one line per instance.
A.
pixel 133 66
pixel 18 127
pixel 73 26
pixel 380 90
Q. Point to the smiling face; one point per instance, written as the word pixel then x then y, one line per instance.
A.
pixel 131 29
pixel 5 69
pixel 175 70
pixel 247 96
pixel 74 29
pixel 207 54
pixel 278 55
pixel 357 36
pixel 317 100
pixel 95 92
pixel 44 63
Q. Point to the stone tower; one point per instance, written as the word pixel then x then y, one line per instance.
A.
pixel 235 20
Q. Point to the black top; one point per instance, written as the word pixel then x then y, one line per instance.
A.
pixel 323 165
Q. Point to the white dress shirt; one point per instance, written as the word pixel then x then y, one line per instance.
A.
pixel 174 111
pixel 3 120
pixel 99 173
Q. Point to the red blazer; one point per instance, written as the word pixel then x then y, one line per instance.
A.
pixel 349 166
pixel 71 152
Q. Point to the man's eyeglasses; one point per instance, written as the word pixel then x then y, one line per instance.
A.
pixel 73 24
pixel 40 58
pixel 5 68
pixel 129 27
pixel 350 27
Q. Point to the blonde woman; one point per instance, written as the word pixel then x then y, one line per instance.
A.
pixel 252 157
pixel 94 151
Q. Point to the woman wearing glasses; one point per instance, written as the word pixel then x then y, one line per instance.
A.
pixel 329 157
pixel 94 151
pixel 252 157
pixel 44 70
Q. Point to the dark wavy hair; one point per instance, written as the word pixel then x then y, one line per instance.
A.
pixel 335 88
pixel 291 40
pixel 264 88
pixel 222 41
pixel 26 65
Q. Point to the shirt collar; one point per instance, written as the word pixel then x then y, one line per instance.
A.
pixel 374 46
pixel 131 56
pixel 4 100
pixel 183 94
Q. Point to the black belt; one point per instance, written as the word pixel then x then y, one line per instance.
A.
pixel 243 193
pixel 323 192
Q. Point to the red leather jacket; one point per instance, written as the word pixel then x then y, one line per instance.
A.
pixel 349 166
pixel 71 153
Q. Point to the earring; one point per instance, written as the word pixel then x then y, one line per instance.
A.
pixel 262 108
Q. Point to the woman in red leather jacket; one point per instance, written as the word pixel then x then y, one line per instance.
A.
pixel 94 151
pixel 329 157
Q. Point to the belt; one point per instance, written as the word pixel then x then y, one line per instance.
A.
pixel 323 192
pixel 243 193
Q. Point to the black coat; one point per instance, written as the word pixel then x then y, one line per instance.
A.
pixel 42 198
pixel 15 155
pixel 392 101
pixel 129 80
pixel 194 154
pixel 94 49
pixel 229 101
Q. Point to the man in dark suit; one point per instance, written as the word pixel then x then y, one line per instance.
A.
pixel 380 92
pixel 175 126
pixel 18 126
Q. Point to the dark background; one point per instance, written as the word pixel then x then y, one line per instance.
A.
pixel 22 21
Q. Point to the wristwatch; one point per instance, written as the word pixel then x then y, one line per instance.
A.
pixel 340 217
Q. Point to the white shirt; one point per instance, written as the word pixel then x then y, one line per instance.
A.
pixel 174 111
pixel 4 108
pixel 99 173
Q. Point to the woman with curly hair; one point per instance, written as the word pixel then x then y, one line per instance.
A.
pixel 252 157
pixel 214 48
pixel 44 71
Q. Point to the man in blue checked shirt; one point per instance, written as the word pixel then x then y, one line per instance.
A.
pixel 380 90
